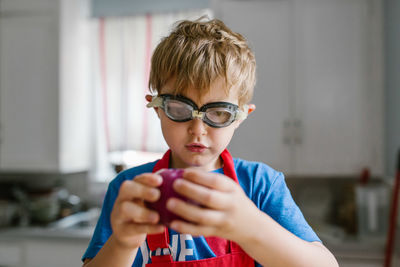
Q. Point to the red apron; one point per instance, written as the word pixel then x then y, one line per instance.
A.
pixel 228 253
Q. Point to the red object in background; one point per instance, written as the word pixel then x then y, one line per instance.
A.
pixel 393 216
pixel 149 27
pixel 365 176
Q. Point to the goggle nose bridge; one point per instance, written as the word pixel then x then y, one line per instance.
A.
pixel 197 114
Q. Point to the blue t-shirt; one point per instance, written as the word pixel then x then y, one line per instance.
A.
pixel 262 184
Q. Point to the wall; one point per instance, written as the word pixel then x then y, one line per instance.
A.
pixel 139 7
pixel 392 86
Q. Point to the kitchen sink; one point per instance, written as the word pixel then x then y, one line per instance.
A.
pixel 83 219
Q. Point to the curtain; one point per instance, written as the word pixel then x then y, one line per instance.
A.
pixel 122 48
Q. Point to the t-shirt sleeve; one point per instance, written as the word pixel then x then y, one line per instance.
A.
pixel 279 204
pixel 103 227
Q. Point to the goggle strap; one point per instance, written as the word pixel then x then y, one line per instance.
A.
pixel 241 115
pixel 156 102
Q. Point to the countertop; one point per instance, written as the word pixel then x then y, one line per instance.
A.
pixel 78 226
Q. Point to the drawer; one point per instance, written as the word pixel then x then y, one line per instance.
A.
pixel 11 254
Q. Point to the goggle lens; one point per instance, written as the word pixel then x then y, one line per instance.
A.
pixel 177 110
pixel 219 115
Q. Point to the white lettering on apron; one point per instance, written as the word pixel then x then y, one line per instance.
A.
pixel 185 251
pixel 145 254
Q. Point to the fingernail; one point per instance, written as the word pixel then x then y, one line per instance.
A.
pixel 171 203
pixel 178 182
pixel 154 192
pixel 153 217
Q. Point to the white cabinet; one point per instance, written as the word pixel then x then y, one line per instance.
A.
pixel 319 92
pixel 45 252
pixel 11 253
pixel 60 253
pixel 338 86
pixel 44 90
pixel 360 263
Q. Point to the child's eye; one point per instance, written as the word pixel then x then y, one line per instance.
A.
pixel 218 115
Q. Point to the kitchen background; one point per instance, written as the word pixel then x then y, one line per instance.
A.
pixel 72 83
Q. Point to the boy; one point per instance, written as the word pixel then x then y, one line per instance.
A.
pixel 203 75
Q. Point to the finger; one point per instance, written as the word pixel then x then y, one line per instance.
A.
pixel 131 190
pixel 151 229
pixel 212 180
pixel 196 214
pixel 133 211
pixel 203 195
pixel 136 228
pixel 150 179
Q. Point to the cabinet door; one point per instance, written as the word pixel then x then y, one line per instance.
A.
pixel 266 25
pixel 29 91
pixel 10 253
pixel 338 88
pixel 50 253
pixel 319 89
pixel 360 263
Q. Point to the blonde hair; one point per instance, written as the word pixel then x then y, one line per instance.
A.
pixel 198 52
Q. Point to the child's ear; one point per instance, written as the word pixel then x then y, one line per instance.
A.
pixel 148 98
pixel 252 107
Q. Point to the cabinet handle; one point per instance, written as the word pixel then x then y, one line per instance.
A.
pixel 287 132
pixel 297 132
pixel 292 132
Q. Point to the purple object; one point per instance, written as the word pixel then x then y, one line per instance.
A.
pixel 169 176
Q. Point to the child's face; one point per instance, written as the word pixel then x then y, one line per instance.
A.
pixel 194 143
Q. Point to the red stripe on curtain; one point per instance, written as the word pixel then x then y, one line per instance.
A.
pixel 146 79
pixel 125 89
pixel 103 77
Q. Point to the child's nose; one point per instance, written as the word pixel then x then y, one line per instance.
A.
pixel 197 127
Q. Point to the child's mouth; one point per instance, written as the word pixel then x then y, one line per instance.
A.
pixel 195 147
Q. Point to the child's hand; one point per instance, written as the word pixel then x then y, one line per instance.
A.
pixel 130 219
pixel 226 211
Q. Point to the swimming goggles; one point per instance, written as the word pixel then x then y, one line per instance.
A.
pixel 216 114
